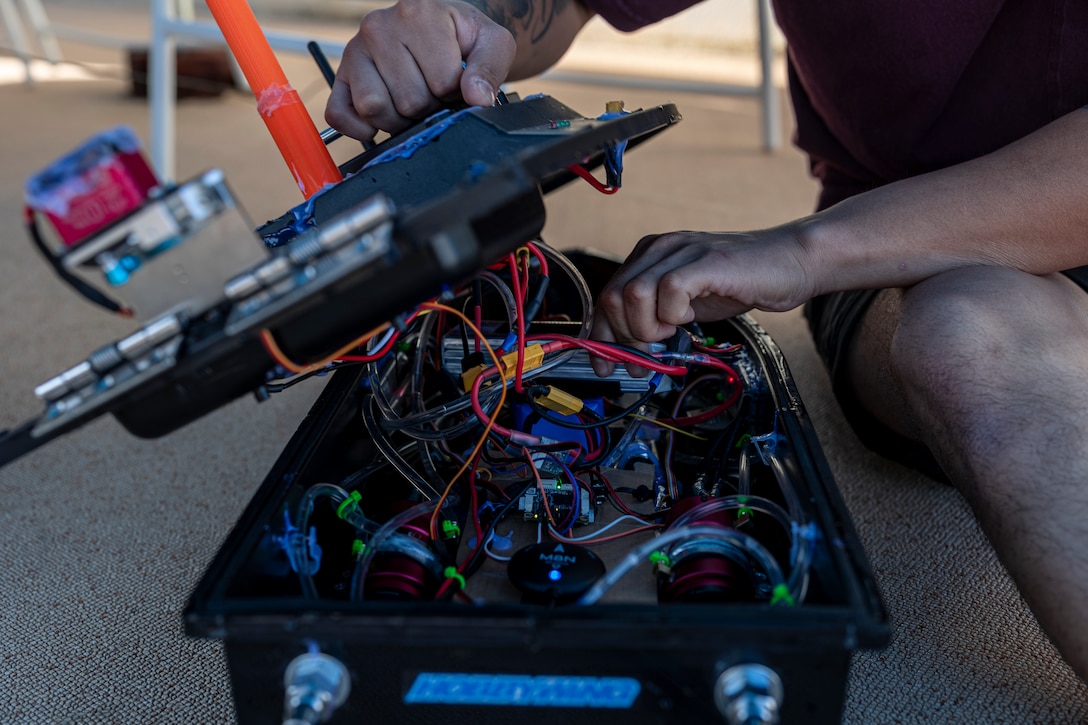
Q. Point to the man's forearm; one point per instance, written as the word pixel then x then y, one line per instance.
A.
pixel 1024 206
pixel 543 29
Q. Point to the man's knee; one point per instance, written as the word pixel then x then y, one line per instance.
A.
pixel 977 351
pixel 959 323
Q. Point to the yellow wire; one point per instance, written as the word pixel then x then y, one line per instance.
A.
pixel 673 428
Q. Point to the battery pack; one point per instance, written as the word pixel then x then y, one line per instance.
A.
pixel 93 186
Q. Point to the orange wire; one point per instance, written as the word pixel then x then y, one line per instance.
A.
pixel 540 486
pixel 490 422
pixel 611 537
pixel 273 348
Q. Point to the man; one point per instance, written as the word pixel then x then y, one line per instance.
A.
pixel 953 153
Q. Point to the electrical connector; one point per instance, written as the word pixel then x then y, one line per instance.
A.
pixel 559 401
pixel 469 376
pixel 534 358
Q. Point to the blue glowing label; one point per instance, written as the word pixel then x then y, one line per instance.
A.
pixel 453 688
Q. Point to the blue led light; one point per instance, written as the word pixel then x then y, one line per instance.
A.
pixel 555 575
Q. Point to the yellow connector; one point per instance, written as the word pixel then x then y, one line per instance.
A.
pixel 534 358
pixel 560 402
pixel 469 376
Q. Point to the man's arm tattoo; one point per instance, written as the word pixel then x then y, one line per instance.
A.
pixel 523 18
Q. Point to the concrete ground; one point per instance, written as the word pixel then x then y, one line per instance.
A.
pixel 103 536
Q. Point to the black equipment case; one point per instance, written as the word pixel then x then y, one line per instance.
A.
pixel 676 652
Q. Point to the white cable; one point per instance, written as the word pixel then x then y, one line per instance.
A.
pixel 589 537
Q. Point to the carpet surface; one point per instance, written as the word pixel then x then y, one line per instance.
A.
pixel 103 536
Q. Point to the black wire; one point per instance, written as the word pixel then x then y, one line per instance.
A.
pixel 322 62
pixel 717 455
pixel 295 380
pixel 537 301
pixel 89 292
pixel 476 561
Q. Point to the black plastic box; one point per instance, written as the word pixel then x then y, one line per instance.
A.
pixel 674 652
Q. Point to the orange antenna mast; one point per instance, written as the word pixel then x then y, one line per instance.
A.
pixel 278 103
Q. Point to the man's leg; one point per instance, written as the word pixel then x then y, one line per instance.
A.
pixel 989 368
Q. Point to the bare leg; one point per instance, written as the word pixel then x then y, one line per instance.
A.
pixel 989 368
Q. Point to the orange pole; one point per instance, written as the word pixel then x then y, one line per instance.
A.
pixel 278 103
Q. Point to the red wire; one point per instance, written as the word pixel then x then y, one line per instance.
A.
pixel 717 410
pixel 371 357
pixel 605 351
pixel 616 496
pixel 584 173
pixel 539 257
pixel 595 448
pixel 717 350
pixel 478 409
pixel 519 306
pixel 476 524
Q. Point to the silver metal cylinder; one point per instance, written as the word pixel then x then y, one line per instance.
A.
pixel 315 685
pixel 749 694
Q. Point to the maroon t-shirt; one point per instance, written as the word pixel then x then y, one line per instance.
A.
pixel 885 90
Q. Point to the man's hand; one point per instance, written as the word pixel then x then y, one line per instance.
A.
pixel 673 279
pixel 405 62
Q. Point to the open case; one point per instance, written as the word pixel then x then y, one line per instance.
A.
pixel 632 657
pixel 471 525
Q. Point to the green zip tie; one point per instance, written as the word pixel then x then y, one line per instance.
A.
pixel 450 572
pixel 450 529
pixel 358 547
pixel 352 500
pixel 743 441
pixel 660 557
pixel 781 593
